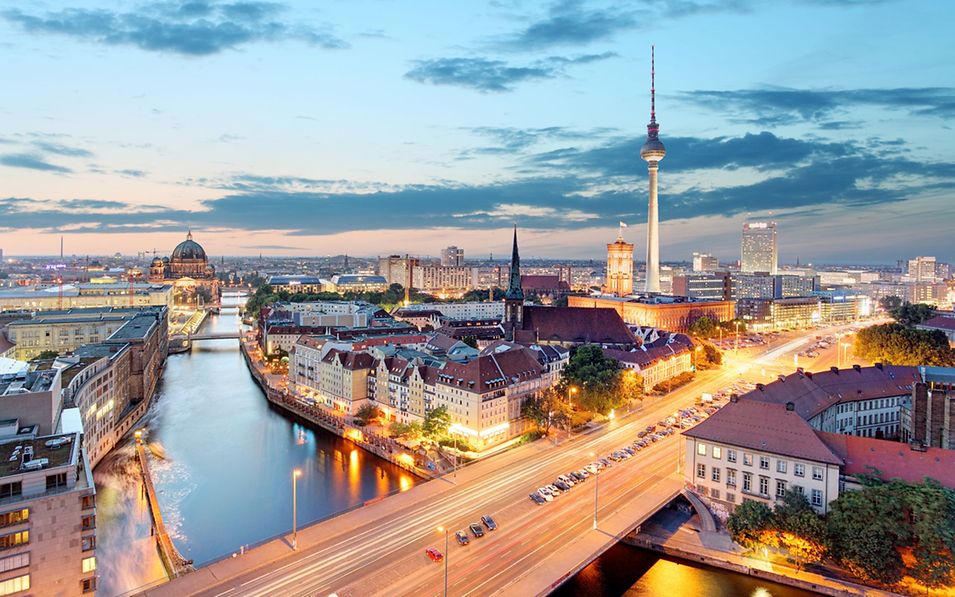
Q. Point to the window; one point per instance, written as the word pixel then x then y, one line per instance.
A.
pixel 701 449
pixel 717 452
pixel 15 585
pixel 54 481
pixel 14 517
pixel 731 456
pixel 701 471
pixel 89 542
pixel 781 466
pixel 14 539
pixel 11 489
pixel 715 494
pixel 89 522
pixel 747 459
pixel 89 564
pixel 89 501
pixel 731 498
pixel 15 561
pixel 748 482
pixel 798 489
pixel 816 497
pixel 799 469
pixel 764 462
pixel 730 477
pixel 764 486
pixel 88 584
pixel 780 488
pixel 816 473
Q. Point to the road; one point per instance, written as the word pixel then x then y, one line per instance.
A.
pixel 378 549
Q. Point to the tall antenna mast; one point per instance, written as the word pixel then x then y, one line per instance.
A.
pixel 653 91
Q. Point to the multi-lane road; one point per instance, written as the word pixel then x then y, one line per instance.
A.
pixel 379 549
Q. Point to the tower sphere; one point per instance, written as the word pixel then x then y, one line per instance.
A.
pixel 653 150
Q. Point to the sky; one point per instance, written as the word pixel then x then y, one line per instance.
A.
pixel 371 127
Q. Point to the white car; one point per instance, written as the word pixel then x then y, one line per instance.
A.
pixel 545 494
pixel 566 480
pixel 554 491
pixel 592 468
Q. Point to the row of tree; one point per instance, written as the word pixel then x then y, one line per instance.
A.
pixel 881 533
pixel 897 344
pixel 394 295
pixel 907 313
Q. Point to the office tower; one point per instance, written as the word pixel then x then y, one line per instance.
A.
pixel 704 262
pixel 759 251
pixel 922 269
pixel 452 256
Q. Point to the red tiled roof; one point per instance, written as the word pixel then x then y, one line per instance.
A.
pixel 892 459
pixel 534 283
pixel 490 372
pixel 766 427
pixel 578 325
pixel 812 393
pixel 350 360
pixel 940 323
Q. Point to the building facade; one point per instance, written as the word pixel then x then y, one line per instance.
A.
pixel 759 251
pixel 187 270
pixel 675 314
pixel 452 256
pixel 619 267
pixel 704 262
pixel 65 331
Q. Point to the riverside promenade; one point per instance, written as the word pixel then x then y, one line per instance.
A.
pixel 176 565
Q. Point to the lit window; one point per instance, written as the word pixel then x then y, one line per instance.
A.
pixel 15 585
pixel 701 449
pixel 89 564
pixel 747 459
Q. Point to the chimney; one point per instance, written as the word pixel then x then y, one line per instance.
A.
pixel 878 366
pixel 858 368
pixel 790 406
pixel 809 374
pixel 734 398
pixel 782 378
pixel 834 370
pixel 800 370
pixel 760 387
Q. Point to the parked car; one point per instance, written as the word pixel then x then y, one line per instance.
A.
pixel 476 529
pixel 642 434
pixel 553 490
pixel 462 537
pixel 566 479
pixel 537 498
pixel 561 485
pixel 489 522
pixel 546 494
pixel 434 554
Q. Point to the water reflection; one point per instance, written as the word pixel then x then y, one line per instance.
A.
pixel 224 478
pixel 625 570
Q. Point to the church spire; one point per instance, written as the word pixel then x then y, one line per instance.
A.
pixel 514 290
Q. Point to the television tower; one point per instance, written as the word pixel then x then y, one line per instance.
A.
pixel 653 151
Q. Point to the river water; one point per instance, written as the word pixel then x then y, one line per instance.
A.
pixel 225 476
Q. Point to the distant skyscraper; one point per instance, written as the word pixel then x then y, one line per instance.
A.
pixel 452 256
pixel 653 151
pixel 619 266
pixel 923 269
pixel 704 262
pixel 759 251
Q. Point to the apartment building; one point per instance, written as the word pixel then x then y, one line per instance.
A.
pixel 65 331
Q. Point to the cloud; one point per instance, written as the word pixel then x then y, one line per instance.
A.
pixel 570 23
pixel 487 75
pixel 782 106
pixel 31 161
pixel 131 173
pixel 59 149
pixel 191 28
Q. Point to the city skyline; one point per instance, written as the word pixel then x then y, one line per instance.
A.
pixel 283 130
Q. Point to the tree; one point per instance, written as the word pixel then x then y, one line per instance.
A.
pixel 547 409
pixel 46 354
pixel 470 341
pixel 596 376
pixel 367 413
pixel 703 327
pixel 436 423
pixel 411 431
pixel 909 314
pixel 710 356
pixel 896 344
pixel 888 303
pixel 799 529
pixel 749 524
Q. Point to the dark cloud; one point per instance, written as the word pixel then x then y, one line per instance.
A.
pixel 488 75
pixel 31 161
pixel 779 106
pixel 193 28
pixel 569 188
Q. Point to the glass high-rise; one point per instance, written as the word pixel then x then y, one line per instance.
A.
pixel 759 251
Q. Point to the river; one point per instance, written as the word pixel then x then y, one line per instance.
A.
pixel 226 477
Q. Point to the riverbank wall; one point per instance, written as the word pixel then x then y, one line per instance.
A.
pixel 175 564
pixel 382 447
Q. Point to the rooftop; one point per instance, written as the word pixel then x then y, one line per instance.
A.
pixel 575 325
pixel 893 460
pixel 137 328
pixel 14 455
pixel 940 323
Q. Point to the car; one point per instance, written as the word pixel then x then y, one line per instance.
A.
pixel 553 490
pixel 545 490
pixel 548 497
pixel 434 554
pixel 537 498
pixel 489 522
pixel 629 450
pixel 604 462
pixel 642 434
pixel 592 468
pixel 561 485
pixel 567 479
pixel 581 475
pixel 462 537
pixel 654 437
pixel 476 530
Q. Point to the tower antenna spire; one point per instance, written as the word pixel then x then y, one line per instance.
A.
pixel 653 91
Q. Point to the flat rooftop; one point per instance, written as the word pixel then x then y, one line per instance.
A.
pixel 136 328
pixel 59 453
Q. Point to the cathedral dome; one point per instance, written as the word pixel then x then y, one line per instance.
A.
pixel 189 249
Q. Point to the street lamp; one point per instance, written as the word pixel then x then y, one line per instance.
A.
pixel 570 392
pixel 446 532
pixel 296 473
pixel 844 348
pixel 596 486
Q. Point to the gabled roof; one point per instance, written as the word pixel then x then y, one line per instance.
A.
pixel 350 360
pixel 489 372
pixel 576 325
pixel 892 459
pixel 766 427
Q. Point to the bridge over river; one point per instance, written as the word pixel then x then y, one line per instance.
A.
pixel 379 548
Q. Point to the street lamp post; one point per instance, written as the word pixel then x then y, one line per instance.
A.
pixel 571 390
pixel 446 554
pixel 295 475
